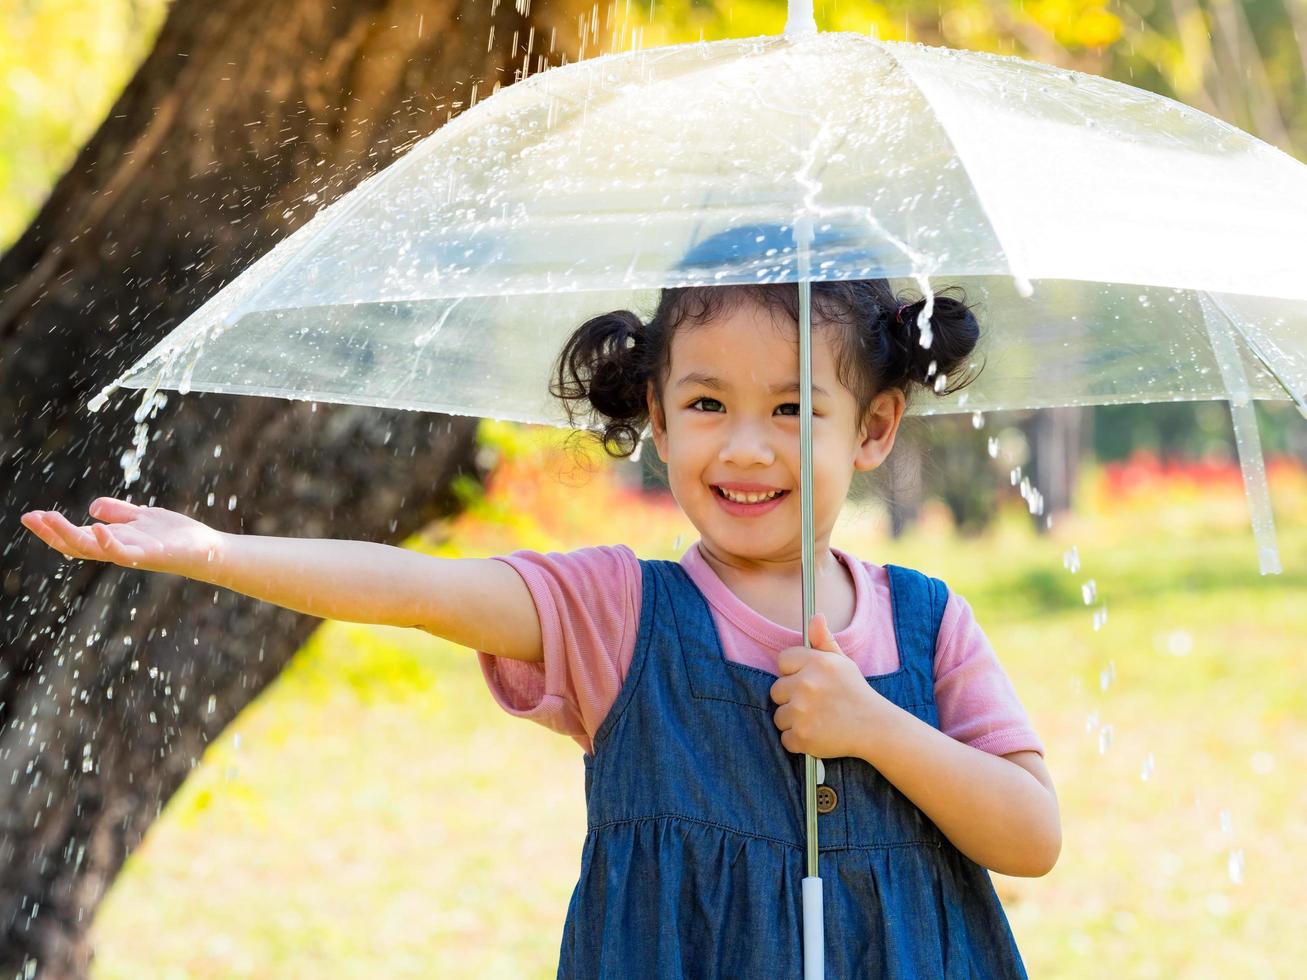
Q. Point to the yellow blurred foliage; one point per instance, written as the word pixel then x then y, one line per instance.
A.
pixel 63 63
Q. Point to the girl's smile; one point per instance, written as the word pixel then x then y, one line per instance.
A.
pixel 751 503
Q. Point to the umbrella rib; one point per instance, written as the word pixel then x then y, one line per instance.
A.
pixel 1243 417
pixel 1016 270
pixel 1298 398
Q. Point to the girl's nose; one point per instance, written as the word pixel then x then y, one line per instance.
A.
pixel 747 445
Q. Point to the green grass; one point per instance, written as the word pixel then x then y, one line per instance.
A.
pixel 381 817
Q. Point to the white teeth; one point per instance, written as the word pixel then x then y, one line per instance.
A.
pixel 749 498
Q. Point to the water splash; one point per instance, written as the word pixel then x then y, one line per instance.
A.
pixel 1107 676
pixel 130 461
pixel 1104 739
pixel 1235 866
pixel 1100 617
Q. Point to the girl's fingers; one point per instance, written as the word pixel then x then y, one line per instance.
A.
pixel 115 549
pixel 77 540
pixel 40 524
pixel 34 521
pixel 111 510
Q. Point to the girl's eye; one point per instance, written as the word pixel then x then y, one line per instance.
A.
pixel 793 405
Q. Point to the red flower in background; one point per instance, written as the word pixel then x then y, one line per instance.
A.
pixel 1144 472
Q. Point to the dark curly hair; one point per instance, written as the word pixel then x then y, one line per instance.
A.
pixel 605 366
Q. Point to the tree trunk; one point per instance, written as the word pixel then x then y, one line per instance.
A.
pixel 903 487
pixel 244 119
pixel 1056 443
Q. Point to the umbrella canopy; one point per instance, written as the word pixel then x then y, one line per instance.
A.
pixel 1101 228
pixel 1121 246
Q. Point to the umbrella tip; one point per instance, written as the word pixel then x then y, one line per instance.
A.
pixel 800 20
pixel 98 402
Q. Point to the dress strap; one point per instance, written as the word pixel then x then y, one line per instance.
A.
pixel 918 602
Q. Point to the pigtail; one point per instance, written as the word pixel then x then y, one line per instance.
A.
pixel 602 374
pixel 954 333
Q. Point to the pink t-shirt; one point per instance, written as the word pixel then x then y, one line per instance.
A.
pixel 589 606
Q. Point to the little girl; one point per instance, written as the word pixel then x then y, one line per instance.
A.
pixel 686 683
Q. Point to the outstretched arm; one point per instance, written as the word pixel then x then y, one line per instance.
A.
pixel 479 603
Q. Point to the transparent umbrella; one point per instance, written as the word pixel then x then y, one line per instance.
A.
pixel 1123 247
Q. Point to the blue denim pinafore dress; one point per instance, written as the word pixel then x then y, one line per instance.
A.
pixel 695 848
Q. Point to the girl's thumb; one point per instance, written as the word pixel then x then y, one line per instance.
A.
pixel 822 637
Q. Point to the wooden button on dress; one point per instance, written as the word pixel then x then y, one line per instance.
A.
pixel 826 799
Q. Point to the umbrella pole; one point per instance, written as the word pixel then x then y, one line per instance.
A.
pixel 814 943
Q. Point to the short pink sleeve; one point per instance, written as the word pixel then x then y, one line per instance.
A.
pixel 977 703
pixel 589 606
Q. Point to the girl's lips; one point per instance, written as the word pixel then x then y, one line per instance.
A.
pixel 748 510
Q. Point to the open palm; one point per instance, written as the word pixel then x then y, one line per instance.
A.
pixel 151 538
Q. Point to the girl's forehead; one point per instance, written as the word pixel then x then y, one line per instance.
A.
pixel 761 361
pixel 748 344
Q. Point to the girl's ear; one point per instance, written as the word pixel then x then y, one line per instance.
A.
pixel 879 428
pixel 657 423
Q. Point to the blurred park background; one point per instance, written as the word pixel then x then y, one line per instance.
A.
pixel 339 800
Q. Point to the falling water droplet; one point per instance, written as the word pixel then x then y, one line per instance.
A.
pixel 1106 677
pixel 1146 773
pixel 1088 591
pixel 978 420
pixel 1100 617
pixel 1071 560
pixel 1235 866
pixel 1104 739
pixel 993 447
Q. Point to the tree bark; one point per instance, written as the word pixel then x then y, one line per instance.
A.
pixel 904 486
pixel 1057 439
pixel 244 119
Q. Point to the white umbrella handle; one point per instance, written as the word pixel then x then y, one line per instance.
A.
pixel 799 19
pixel 814 938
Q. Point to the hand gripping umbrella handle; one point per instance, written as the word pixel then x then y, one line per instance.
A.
pixel 814 939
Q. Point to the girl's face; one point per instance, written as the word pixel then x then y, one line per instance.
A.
pixel 731 417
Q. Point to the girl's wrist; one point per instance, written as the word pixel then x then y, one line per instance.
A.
pixel 210 557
